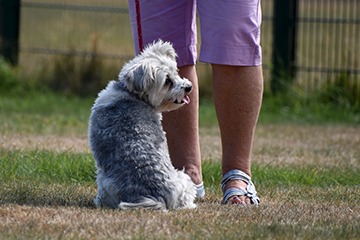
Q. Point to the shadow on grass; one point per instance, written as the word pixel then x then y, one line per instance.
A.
pixel 42 194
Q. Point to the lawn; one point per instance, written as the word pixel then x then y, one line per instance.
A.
pixel 307 176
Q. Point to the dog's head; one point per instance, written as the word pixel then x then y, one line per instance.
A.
pixel 153 77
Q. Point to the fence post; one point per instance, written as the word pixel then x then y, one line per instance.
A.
pixel 284 45
pixel 9 29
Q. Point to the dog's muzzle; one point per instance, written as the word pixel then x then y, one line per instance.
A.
pixel 186 99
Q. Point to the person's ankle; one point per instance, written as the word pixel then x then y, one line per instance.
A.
pixel 194 175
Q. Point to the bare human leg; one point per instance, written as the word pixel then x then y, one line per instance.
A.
pixel 237 93
pixel 182 131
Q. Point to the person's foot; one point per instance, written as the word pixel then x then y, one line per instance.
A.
pixel 238 189
pixel 241 200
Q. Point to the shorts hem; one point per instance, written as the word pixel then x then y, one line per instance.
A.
pixel 235 56
pixel 186 55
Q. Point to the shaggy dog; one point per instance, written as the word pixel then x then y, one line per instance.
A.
pixel 127 139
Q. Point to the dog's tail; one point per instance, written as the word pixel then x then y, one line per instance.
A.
pixel 147 203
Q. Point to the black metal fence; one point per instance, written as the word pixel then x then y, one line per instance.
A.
pixel 328 42
pixel 327 36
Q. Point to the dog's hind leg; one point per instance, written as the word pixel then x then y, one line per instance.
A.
pixel 185 192
pixel 105 197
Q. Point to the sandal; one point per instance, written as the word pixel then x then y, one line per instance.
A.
pixel 200 191
pixel 249 192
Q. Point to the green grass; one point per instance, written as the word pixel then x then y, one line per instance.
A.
pixel 306 111
pixel 278 110
pixel 66 167
pixel 50 113
pixel 49 168
pixel 286 176
pixel 44 114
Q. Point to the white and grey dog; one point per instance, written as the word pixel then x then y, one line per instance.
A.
pixel 127 139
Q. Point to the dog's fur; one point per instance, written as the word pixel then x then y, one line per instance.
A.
pixel 127 139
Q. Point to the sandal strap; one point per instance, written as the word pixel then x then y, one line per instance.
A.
pixel 200 190
pixel 249 192
pixel 230 192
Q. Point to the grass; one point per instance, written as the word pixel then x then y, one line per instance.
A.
pixel 47 195
pixel 65 168
pixel 298 110
pixel 47 167
pixel 307 176
pixel 44 114
pixel 63 115
pixel 276 222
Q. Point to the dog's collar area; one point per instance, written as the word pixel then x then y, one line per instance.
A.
pixel 122 86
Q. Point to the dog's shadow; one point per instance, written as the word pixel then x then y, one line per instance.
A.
pixel 27 193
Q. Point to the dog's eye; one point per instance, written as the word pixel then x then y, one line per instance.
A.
pixel 168 82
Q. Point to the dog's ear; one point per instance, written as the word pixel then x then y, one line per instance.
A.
pixel 168 49
pixel 137 79
pixel 162 48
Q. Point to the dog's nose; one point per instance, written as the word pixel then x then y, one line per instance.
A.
pixel 188 88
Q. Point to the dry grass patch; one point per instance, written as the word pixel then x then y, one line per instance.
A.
pixel 299 145
pixel 277 218
pixel 26 142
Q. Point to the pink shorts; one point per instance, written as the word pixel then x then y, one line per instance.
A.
pixel 230 30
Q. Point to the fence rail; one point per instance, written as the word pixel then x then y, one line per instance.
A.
pixel 328 20
pixel 48 51
pixel 328 42
pixel 74 7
